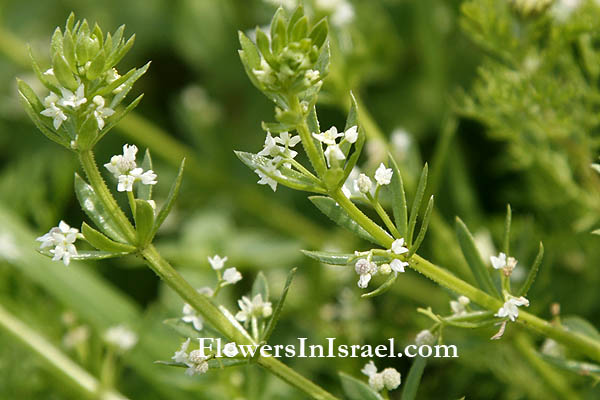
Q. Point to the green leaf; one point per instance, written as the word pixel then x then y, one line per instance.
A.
pixel 398 199
pixel 416 205
pixel 69 49
pixel 278 31
pixel 578 367
pixel 173 193
pixel 596 232
pixel 38 72
pixel 260 286
pixel 114 120
pixel 93 207
pixel 319 33
pixel 277 311
pixel 596 167
pixel 507 223
pixel 96 67
pixel 56 44
pixel 409 391
pixel 300 29
pixel 88 133
pixel 144 221
pixel 89 255
pixel 262 42
pixel 101 242
pixel 322 64
pixel 357 390
pixel 423 229
pixel 298 13
pixel 473 258
pixel 577 324
pixel 144 192
pixel 288 177
pixel 532 272
pixel 63 73
pixel 330 208
pixel 129 84
pixel 383 288
pixel 185 330
pixel 251 55
pixel 340 259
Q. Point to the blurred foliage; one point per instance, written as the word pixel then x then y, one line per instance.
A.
pixel 525 89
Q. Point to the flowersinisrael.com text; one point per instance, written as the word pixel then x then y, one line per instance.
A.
pixel 330 349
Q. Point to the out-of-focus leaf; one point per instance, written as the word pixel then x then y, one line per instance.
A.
pixel 144 192
pixel 578 367
pixel 580 325
pixel 183 329
pixel 383 288
pixel 173 193
pixel 260 286
pixel 277 311
pixel 423 229
pixel 416 205
pixel 399 206
pixel 411 386
pixel 532 272
pixel 357 390
pixel 340 259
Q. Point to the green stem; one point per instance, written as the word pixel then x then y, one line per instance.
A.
pixel 314 155
pixel 574 340
pixel 384 216
pixel 95 179
pixel 59 364
pixel 131 200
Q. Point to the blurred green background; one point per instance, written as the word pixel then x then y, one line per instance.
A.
pixel 505 109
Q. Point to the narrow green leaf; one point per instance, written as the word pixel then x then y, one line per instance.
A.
pixel 383 288
pixel 92 206
pixel 260 286
pixel 578 367
pixel 144 221
pixel 357 390
pixel 120 53
pixel 507 223
pixel 319 33
pixel 298 13
pixel 532 272
pixel 114 120
pixel 40 75
pixel 577 324
pixel 277 311
pixel 101 242
pixel 399 207
pixel 129 84
pixel 411 386
pixel 353 159
pixel 173 193
pixel 250 51
pixel 278 31
pixel 183 329
pixel 322 64
pixel 423 229
pixel 90 255
pixel 416 205
pixel 69 49
pixel 144 192
pixel 263 44
pixel 56 44
pixel 473 258
pixel 96 67
pixel 300 29
pixel 341 259
pixel 63 73
pixel 330 208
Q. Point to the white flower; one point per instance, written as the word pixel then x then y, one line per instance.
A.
pixel 398 246
pixel 231 276
pixel 457 308
pixel 264 175
pixel 112 75
pixel 101 112
pixel 376 382
pixel 349 188
pixel 464 300
pixel 329 136
pixel 391 378
pixel 510 308
pixel 125 183
pixel 312 75
pixel 369 368
pixel 498 262
pixel 122 164
pixel 401 141
pixel 76 336
pixel 181 355
pixel 351 135
pixel 424 338
pixel 385 269
pixel 363 183
pixel 333 152
pixel 230 349
pixel 253 308
pixel 270 147
pixel 216 262
pixel 121 337
pixel 49 72
pixel 383 175
pixel 70 99
pixel 52 111
pixel 364 268
pixel 288 141
pixel 62 238
pixel 191 316
pixel 196 363
pixel 398 265
pixel 146 177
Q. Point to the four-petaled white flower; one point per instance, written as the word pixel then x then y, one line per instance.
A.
pixel 125 183
pixel 101 112
pixel 398 246
pixel 146 177
pixel 510 308
pixel 52 111
pixel 62 238
pixel 333 152
pixel 351 134
pixel 383 175
pixel 270 148
pixel 122 164
pixel 191 316
pixel 329 136
pixel 120 337
pixel 253 308
pixel 365 268
pixel 398 265
pixel 287 140
pixel 312 75
pixel 230 349
pixel 217 262
pixel 507 264
pixel 369 368
pixel 231 276
pixel 264 173
pixel 181 355
pixel 459 307
pixel 73 100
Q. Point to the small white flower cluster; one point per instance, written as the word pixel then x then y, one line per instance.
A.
pixel 230 276
pixel 364 185
pixel 329 137
pixel 196 363
pixel 120 337
pixel 56 106
pixel 366 268
pixel 425 338
pixel 125 169
pixel 459 307
pixel 342 11
pixel 279 148
pixel 388 379
pixel 62 238
pixel 255 308
pixel 510 308
pixel 507 265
